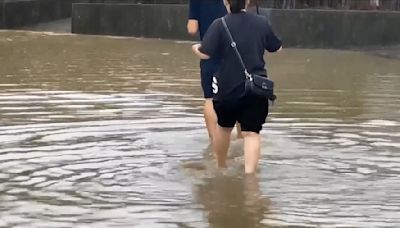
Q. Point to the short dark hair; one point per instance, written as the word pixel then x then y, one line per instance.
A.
pixel 237 5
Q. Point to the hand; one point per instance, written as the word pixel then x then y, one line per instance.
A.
pixel 196 47
pixel 196 50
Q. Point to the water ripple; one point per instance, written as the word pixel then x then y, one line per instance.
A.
pixel 100 132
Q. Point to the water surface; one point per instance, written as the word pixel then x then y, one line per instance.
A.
pixel 108 132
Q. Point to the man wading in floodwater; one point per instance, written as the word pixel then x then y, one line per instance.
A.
pixel 201 14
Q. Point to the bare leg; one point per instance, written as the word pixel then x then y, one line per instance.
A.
pixel 222 138
pixel 210 118
pixel 252 152
pixel 239 131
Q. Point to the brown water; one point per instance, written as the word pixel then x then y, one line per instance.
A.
pixel 106 132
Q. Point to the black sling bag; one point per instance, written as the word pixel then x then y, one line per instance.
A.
pixel 256 84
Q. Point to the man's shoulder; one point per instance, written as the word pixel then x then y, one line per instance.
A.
pixel 207 3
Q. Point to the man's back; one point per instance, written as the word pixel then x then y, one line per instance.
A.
pixel 205 12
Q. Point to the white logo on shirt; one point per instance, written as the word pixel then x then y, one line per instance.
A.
pixel 215 85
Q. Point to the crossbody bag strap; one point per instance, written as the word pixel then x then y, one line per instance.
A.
pixel 233 45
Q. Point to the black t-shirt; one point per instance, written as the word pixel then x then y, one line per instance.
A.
pixel 253 35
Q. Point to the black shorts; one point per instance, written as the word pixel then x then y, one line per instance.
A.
pixel 250 111
pixel 207 70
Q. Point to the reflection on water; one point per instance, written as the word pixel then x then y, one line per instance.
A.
pixel 107 132
pixel 233 202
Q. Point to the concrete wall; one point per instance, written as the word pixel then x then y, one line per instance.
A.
pixel 18 13
pixel 147 1
pixel 335 29
pixel 154 21
pixel 1 15
pixel 297 28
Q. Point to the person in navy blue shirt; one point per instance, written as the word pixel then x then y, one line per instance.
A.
pixel 202 14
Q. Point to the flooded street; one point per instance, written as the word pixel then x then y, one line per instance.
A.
pixel 108 132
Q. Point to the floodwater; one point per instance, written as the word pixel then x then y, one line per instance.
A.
pixel 108 132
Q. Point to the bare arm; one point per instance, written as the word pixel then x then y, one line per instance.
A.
pixel 196 50
pixel 192 26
